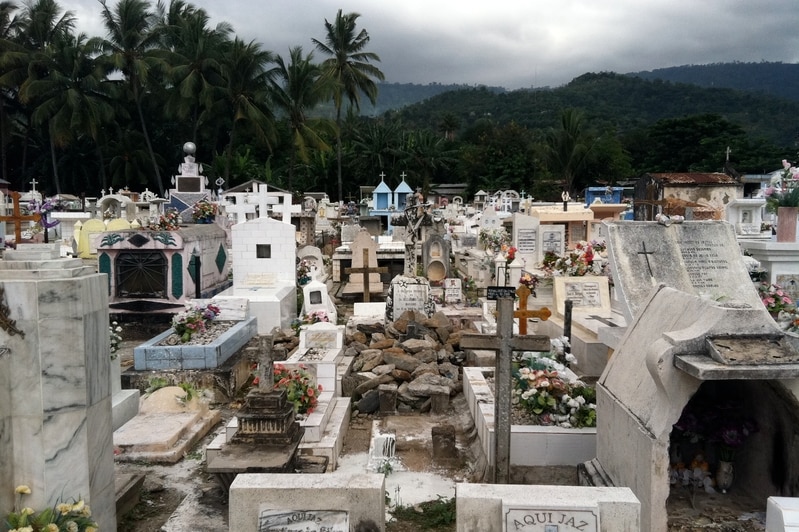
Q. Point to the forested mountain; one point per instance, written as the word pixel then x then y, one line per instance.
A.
pixel 609 100
pixel 776 79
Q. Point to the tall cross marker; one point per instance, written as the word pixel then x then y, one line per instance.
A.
pixel 504 343
pixel 366 270
pixel 266 371
pixel 523 314
pixel 17 217
pixel 646 255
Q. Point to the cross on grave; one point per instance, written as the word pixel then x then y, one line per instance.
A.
pixel 17 218
pixel 403 175
pixel 646 255
pixel 382 175
pixel 33 185
pixel 523 314
pixel 504 343
pixel 266 371
pixel 366 270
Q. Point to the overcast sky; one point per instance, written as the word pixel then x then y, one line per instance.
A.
pixel 517 43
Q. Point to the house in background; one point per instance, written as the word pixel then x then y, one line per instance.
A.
pixel 702 196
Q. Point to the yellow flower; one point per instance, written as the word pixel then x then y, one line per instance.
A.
pixel 23 529
pixel 86 511
pixel 78 506
pixel 27 511
pixel 64 508
pixel 72 526
pixel 52 527
pixel 91 529
pixel 22 489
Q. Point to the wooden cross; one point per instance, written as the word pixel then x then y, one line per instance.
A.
pixel 366 270
pixel 504 343
pixel 523 314
pixel 646 255
pixel 17 218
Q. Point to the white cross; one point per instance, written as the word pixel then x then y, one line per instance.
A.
pixel 382 175
pixel 403 175
pixel 33 184
pixel 262 201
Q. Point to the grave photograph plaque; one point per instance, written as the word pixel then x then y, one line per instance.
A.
pixel 408 293
pixel 552 241
pixel 589 295
pixel 453 290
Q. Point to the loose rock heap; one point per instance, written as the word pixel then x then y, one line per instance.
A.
pixel 420 355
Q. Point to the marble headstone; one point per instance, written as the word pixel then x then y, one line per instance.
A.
pixel 525 239
pixel 590 295
pixel 700 258
pixel 315 297
pixel 313 255
pixel 551 238
pixel 349 232
pixel 408 293
pixel 322 335
pixel 453 290
pixel 55 386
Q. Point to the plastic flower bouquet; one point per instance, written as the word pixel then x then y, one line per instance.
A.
pixel 169 221
pixel 75 517
pixel 193 319
pixel 204 212
pixel 299 386
pixel 786 193
pixel 774 298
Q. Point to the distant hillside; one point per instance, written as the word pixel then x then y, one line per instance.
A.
pixel 398 95
pixel 620 102
pixel 776 79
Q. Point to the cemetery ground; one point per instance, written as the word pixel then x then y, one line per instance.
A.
pixel 182 496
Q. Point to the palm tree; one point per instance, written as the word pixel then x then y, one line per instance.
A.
pixel 30 37
pixel 8 25
pixel 377 146
pixel 426 155
pixel 567 149
pixel 245 97
pixel 194 53
pixel 132 36
pixel 296 88
pixel 350 68
pixel 68 94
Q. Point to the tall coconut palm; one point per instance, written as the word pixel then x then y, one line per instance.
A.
pixel 193 54
pixel 68 94
pixel 245 94
pixel 296 88
pixel 32 35
pixel 132 35
pixel 8 24
pixel 567 149
pixel 349 66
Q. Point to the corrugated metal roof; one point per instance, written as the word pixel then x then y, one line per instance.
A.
pixel 695 178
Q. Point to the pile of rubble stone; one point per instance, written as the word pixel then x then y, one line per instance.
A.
pixel 411 364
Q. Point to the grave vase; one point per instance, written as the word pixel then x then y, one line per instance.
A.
pixel 786 224
pixel 724 476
